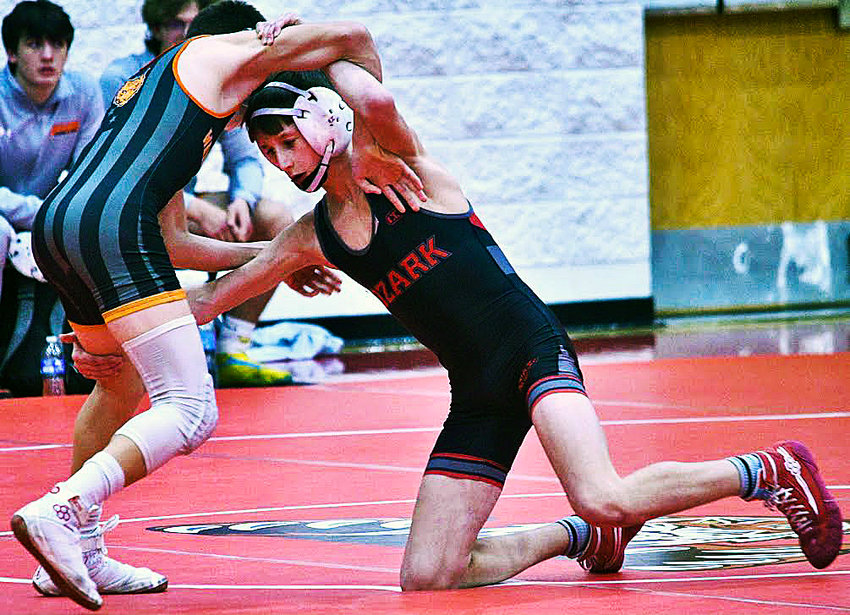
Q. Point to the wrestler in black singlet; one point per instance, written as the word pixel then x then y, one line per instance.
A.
pixel 445 279
pixel 97 238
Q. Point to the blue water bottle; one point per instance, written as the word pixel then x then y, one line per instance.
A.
pixel 53 367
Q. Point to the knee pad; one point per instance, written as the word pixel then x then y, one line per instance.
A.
pixel 207 419
pixel 183 412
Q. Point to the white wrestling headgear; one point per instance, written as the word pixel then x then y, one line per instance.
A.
pixel 323 119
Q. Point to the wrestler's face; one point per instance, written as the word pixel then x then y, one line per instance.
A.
pixel 289 152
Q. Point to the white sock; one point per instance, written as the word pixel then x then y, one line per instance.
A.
pixel 100 477
pixel 235 335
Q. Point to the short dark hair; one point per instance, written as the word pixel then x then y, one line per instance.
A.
pixel 40 19
pixel 225 17
pixel 158 12
pixel 280 98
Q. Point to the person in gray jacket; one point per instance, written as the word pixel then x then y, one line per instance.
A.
pixel 47 115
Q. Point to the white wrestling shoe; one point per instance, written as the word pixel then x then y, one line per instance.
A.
pixel 20 255
pixel 49 529
pixel 109 575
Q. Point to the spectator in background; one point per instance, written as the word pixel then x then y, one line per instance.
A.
pixel 245 216
pixel 47 115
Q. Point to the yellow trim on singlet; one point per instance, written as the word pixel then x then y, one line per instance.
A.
pixel 78 327
pixel 183 87
pixel 141 304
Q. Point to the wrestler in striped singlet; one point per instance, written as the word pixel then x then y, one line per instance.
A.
pixel 97 237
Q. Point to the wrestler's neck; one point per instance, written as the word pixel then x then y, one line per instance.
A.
pixel 348 208
pixel 340 187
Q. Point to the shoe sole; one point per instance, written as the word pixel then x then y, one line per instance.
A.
pixel 156 589
pixel 832 512
pixel 68 589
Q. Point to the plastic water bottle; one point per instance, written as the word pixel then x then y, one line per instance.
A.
pixel 209 342
pixel 53 367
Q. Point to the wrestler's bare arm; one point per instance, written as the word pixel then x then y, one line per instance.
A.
pixel 375 110
pixel 190 251
pixel 293 249
pixel 374 106
pixel 222 71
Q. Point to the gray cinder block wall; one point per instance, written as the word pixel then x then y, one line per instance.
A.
pixel 538 106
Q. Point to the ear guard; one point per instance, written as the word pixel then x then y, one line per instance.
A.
pixel 323 119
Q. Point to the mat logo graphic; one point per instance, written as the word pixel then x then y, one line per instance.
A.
pixel 667 543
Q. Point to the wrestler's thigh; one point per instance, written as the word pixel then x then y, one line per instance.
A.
pixel 448 515
pixel 96 339
pixel 125 384
pixel 572 436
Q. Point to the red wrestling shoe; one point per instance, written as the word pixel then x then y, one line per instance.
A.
pixel 794 486
pixel 606 548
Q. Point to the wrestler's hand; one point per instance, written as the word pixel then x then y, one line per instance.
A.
pixel 267 31
pixel 378 171
pixel 314 280
pixel 208 220
pixel 239 219
pixel 92 366
pixel 201 304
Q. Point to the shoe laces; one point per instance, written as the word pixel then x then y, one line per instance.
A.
pixel 93 545
pixel 786 501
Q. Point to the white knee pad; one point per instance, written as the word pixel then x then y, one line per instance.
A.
pixel 183 412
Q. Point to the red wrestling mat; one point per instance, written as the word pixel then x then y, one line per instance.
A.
pixel 299 504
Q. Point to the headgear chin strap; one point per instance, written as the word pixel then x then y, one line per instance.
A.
pixel 325 122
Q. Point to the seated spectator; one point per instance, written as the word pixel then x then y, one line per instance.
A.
pixel 241 215
pixel 47 116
